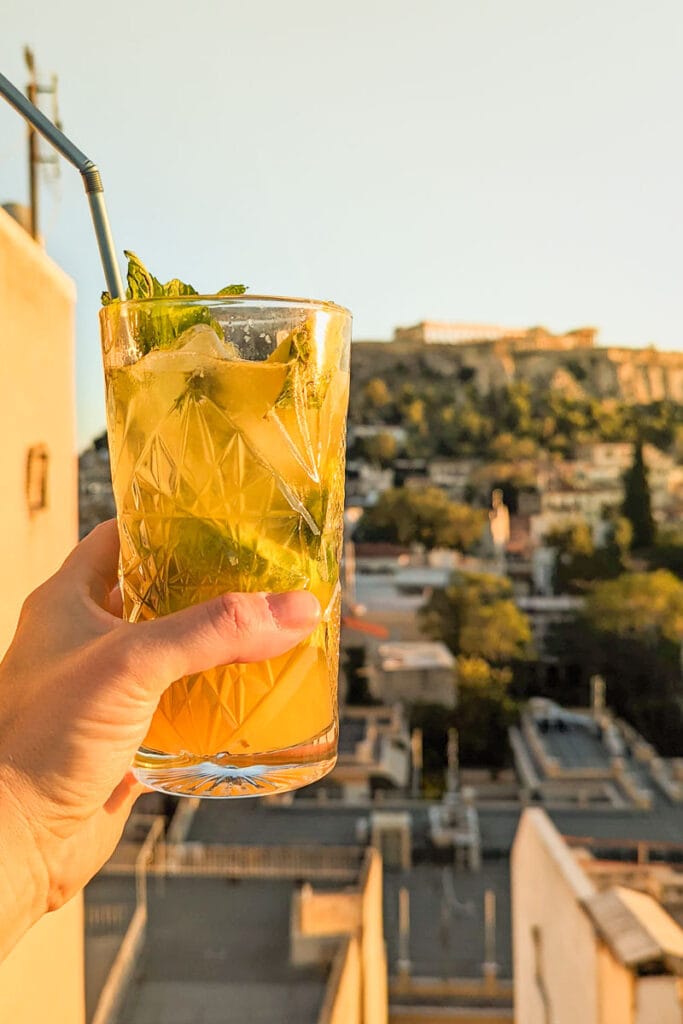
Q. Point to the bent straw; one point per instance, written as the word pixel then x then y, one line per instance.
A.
pixel 89 172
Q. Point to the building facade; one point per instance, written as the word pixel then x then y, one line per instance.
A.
pixel 594 938
pixel 39 526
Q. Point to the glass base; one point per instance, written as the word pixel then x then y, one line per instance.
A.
pixel 221 776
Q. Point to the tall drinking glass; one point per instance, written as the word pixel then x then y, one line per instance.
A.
pixel 226 425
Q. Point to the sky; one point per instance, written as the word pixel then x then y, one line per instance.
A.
pixel 507 161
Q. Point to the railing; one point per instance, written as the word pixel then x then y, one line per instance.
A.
pixel 339 863
pixel 640 851
pixel 114 989
pixel 107 917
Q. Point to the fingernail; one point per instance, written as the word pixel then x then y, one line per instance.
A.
pixel 295 610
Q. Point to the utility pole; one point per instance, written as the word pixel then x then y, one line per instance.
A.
pixel 490 967
pixel 34 90
pixel 416 763
pixel 453 761
pixel 403 932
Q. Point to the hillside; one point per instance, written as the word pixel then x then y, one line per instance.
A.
pixel 634 376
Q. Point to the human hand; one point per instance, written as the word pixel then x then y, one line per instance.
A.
pixel 78 687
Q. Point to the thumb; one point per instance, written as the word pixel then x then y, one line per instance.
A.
pixel 230 628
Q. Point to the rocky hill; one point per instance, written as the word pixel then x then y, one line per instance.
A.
pixel 635 376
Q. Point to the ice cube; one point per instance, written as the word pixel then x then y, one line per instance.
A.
pixel 201 339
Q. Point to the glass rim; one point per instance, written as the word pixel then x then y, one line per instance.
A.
pixel 276 301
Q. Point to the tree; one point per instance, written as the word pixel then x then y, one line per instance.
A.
pixel 622 536
pixel 484 713
pixel 578 563
pixel 376 393
pixel 476 616
pixel 637 506
pixel 644 605
pixel 380 448
pixel 421 516
pixel 630 632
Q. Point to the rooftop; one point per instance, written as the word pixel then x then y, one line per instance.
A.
pixel 412 656
pixel 215 947
pixel 447 918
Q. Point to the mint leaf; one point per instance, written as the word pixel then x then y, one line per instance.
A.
pixel 158 326
pixel 141 284
pixel 233 289
pixel 176 288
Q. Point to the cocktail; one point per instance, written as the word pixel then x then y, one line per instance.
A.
pixel 226 423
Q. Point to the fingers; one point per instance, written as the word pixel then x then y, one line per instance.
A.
pixel 230 628
pixel 94 562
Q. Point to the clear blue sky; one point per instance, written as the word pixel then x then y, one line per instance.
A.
pixel 513 161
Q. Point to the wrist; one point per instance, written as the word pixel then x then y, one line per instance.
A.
pixel 23 878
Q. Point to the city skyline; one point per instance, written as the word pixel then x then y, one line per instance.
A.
pixel 479 163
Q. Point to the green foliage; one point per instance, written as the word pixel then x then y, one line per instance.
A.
pixel 162 323
pixel 476 616
pixel 421 516
pixel 637 507
pixel 377 393
pixel 381 449
pixel 449 417
pixel 478 620
pixel 630 632
pixel 643 605
pixel 622 535
pixel 579 563
pixel 484 713
pixel 667 553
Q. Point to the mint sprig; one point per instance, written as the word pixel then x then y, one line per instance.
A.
pixel 161 324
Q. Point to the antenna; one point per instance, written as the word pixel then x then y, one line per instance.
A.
pixel 35 158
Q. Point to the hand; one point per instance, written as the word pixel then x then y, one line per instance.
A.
pixel 78 688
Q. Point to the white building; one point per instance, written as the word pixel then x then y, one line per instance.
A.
pixel 415 671
pixel 595 939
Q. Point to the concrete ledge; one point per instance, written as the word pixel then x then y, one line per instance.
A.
pixel 122 969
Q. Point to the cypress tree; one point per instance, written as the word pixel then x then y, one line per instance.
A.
pixel 637 506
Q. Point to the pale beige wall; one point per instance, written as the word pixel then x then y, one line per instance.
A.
pixel 346 1007
pixel 616 990
pixel 42 980
pixel 37 407
pixel 547 885
pixel 659 1001
pixel 373 951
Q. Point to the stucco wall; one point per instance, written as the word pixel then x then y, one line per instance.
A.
pixel 546 887
pixel 37 408
pixel 373 952
pixel 42 979
pixel 345 1007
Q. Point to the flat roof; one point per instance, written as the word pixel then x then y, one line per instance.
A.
pixel 410 655
pixel 447 918
pixel 215 948
pixel 254 823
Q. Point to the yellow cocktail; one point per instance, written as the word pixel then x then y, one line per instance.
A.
pixel 227 450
